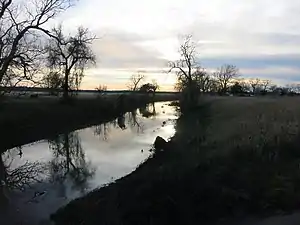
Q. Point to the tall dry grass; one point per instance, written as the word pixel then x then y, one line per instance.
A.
pixel 252 122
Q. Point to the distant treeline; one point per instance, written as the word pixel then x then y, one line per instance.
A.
pixel 50 90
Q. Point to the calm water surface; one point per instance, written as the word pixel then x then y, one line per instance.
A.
pixel 43 176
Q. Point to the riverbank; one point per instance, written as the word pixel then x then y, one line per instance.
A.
pixel 24 121
pixel 230 158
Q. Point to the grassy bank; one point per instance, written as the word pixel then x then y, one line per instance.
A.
pixel 26 120
pixel 230 158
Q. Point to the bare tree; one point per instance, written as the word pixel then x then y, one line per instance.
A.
pixel 149 88
pixel 101 89
pixel 265 84
pixel 135 81
pixel 185 68
pixel 187 63
pixel 244 84
pixel 70 55
pixel 21 23
pixel 225 75
pixel 203 79
pixel 53 81
pixel 255 84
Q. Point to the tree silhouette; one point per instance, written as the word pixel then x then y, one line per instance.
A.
pixel 225 75
pixel 70 55
pixel 236 89
pixel 135 81
pixel 21 25
pixel 148 110
pixel 69 161
pixel 185 68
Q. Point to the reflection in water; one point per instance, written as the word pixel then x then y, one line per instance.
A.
pixel 129 119
pixel 19 178
pixel 64 169
pixel 102 130
pixel 69 163
pixel 22 176
pixel 3 175
pixel 148 110
pixel 134 122
pixel 124 121
pixel 20 151
pixel 121 122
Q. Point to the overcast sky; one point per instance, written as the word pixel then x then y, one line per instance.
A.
pixel 261 37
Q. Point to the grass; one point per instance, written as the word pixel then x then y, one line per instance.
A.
pixel 27 120
pixel 230 158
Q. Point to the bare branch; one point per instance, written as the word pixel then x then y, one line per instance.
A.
pixel 4 5
pixel 70 55
pixel 24 176
pixel 186 66
pixel 135 81
pixel 17 26
pixel 225 75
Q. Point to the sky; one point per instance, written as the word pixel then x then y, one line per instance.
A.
pixel 261 37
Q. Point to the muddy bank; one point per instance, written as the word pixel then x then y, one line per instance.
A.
pixel 28 120
pixel 205 176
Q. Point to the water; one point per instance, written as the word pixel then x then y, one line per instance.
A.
pixel 43 176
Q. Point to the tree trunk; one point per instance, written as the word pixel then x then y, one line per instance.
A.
pixel 3 176
pixel 67 151
pixel 66 85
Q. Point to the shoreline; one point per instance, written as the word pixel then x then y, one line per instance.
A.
pixel 24 122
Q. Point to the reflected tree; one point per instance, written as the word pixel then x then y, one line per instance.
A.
pixel 134 123
pixel 69 161
pixel 102 130
pixel 3 175
pixel 18 178
pixel 22 176
pixel 20 151
pixel 121 122
pixel 148 110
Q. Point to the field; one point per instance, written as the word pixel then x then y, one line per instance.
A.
pixel 231 158
pixel 30 119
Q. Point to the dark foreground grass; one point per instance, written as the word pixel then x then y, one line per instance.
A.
pixel 198 179
pixel 26 120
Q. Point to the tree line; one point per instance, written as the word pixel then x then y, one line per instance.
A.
pixel 193 79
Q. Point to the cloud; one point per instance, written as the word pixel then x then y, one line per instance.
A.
pixel 253 61
pixel 118 79
pixel 261 37
pixel 120 49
